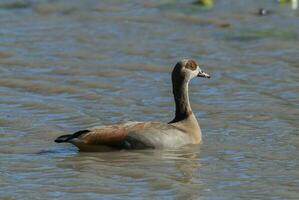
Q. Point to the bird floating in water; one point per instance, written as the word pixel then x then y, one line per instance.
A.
pixel 182 130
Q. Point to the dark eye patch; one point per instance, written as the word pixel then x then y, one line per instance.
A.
pixel 191 64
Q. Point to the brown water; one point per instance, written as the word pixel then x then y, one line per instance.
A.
pixel 69 65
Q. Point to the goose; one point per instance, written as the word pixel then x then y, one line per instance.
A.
pixel 182 130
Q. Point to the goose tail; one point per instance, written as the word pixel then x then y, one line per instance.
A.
pixel 67 138
pixel 63 138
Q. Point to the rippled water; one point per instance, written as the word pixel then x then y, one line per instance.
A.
pixel 68 65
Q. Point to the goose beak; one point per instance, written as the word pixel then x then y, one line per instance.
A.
pixel 203 74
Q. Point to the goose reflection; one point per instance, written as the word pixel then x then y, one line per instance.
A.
pixel 168 171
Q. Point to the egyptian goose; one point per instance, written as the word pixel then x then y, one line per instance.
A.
pixel 182 130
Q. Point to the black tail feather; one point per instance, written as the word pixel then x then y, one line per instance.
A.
pixel 66 138
pixel 63 138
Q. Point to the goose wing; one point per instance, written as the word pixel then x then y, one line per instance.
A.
pixel 129 135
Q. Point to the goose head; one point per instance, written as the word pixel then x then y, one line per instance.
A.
pixel 182 73
pixel 187 69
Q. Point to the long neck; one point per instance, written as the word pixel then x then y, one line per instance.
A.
pixel 181 97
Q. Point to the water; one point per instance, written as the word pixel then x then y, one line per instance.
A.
pixel 66 66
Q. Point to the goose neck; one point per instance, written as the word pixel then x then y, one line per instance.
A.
pixel 182 105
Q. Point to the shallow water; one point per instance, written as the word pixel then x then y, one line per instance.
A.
pixel 68 66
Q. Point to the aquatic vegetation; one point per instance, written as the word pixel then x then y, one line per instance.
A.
pixel 268 33
pixel 294 3
pixel 187 8
pixel 285 1
pixel 14 4
pixel 204 3
pixel 50 8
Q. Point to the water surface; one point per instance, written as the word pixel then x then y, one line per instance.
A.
pixel 66 66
